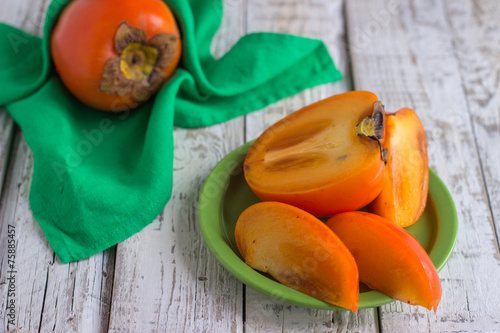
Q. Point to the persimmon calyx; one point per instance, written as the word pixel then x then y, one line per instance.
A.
pixel 137 70
pixel 373 127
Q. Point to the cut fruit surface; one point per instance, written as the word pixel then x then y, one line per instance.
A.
pixel 318 158
pixel 389 259
pixel 299 251
pixel 406 183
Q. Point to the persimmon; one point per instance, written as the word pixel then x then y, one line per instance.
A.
pixel 389 259
pixel 113 54
pixel 325 158
pixel 299 251
pixel 406 182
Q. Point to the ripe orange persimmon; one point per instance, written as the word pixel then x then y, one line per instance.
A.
pixel 298 250
pixel 406 183
pixel 114 54
pixel 389 259
pixel 325 158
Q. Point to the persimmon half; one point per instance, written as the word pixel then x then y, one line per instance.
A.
pixel 406 183
pixel 325 158
pixel 389 259
pixel 299 251
pixel 113 55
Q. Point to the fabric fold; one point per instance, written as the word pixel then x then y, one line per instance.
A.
pixel 101 177
pixel 21 64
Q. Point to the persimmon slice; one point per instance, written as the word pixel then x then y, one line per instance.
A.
pixel 389 259
pixel 299 251
pixel 324 158
pixel 406 183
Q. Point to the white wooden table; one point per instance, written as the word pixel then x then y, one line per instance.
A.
pixel 441 58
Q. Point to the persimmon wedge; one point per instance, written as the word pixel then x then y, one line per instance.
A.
pixel 406 183
pixel 325 158
pixel 299 251
pixel 389 259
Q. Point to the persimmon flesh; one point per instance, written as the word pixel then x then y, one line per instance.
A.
pixel 406 182
pixel 112 54
pixel 389 259
pixel 299 251
pixel 319 158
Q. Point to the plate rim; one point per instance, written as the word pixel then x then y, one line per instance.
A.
pixel 212 234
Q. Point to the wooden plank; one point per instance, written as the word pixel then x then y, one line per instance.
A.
pixel 6 136
pixel 26 15
pixel 78 295
pixel 403 52
pixel 322 20
pixel 475 31
pixel 49 295
pixel 166 280
pixel 28 284
pixel 19 14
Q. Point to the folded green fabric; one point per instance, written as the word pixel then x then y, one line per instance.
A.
pixel 99 177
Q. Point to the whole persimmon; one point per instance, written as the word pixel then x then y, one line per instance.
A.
pixel 113 55
pixel 326 158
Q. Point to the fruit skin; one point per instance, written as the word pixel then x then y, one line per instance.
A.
pixel 299 251
pixel 406 183
pixel 83 41
pixel 389 259
pixel 315 160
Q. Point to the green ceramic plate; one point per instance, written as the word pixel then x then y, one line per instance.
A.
pixel 226 194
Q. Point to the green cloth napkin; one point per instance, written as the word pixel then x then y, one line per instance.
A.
pixel 98 177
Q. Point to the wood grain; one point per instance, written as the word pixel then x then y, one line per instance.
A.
pixel 440 58
pixel 475 37
pixel 322 20
pixel 166 280
pixel 19 14
pixel 403 52
pixel 50 296
pixel 6 137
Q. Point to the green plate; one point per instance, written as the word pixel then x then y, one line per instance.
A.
pixel 226 194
